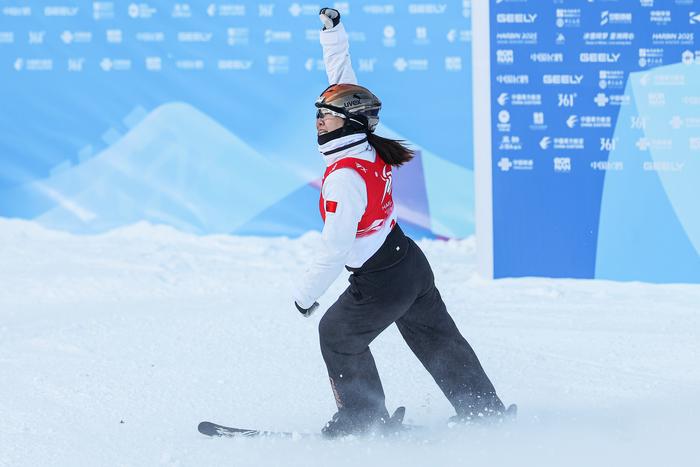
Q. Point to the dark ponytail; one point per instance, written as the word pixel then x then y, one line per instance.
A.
pixel 392 151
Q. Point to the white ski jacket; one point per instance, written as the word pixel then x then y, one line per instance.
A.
pixel 338 245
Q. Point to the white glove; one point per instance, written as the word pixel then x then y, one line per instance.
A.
pixel 329 17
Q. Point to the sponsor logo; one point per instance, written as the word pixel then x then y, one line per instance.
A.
pixel 427 8
pixel 114 36
pixel 608 38
pixel 506 164
pixel 412 64
pixel 663 166
pixel 453 63
pixel 595 121
pixel 296 9
pixel 157 36
pixel 603 100
pixel 562 143
pixel 75 65
pixel 115 64
pixel 227 9
pixel 367 64
pixel 566 100
pixel 389 39
pixel 378 9
pixel 513 79
pixel 562 164
pixel 538 121
pixel 673 38
pixel 660 144
pixel 694 17
pixel 36 37
pixel 421 36
pixel 17 11
pixel 7 37
pixel 459 35
pixel 315 64
pixel 525 99
pixel 181 10
pixel 651 57
pixel 76 37
pixel 510 143
pixel 638 123
pixel 545 57
pixel 503 121
pixel 608 144
pixel 656 99
pixel 608 17
pixel 33 64
pixel 266 10
pixel 599 57
pixel 607 165
pixel 237 36
pixel 60 11
pixel 689 57
pixel 569 143
pixel 568 17
pixel 511 38
pixel 694 143
pixel 504 56
pixel 141 10
pixel 102 10
pixel 516 18
pixel 611 79
pixel 190 64
pixel 194 36
pixel 562 79
pixel 277 36
pixel 660 17
pixel 154 63
pixel 277 64
pixel 677 122
pixel 234 65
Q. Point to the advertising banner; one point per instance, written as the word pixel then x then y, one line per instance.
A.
pixel 595 139
pixel 200 115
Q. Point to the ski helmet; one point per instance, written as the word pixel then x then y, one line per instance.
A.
pixel 355 102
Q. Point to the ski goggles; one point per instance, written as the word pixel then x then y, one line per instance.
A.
pixel 322 112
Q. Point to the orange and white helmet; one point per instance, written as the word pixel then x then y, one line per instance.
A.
pixel 352 102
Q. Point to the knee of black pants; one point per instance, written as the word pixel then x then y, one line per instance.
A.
pixel 336 337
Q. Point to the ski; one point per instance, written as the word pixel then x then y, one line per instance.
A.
pixel 216 430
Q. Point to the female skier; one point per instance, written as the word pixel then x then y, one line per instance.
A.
pixel 391 280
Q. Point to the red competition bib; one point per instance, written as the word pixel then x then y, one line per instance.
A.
pixel 380 204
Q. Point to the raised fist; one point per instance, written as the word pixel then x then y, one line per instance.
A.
pixel 329 17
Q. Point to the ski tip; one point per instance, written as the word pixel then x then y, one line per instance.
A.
pixel 398 415
pixel 207 428
pixel 511 411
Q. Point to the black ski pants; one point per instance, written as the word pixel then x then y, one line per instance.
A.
pixel 396 285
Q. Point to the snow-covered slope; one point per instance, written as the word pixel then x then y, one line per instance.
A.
pixel 113 347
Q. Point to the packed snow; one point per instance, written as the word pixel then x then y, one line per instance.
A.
pixel 114 347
